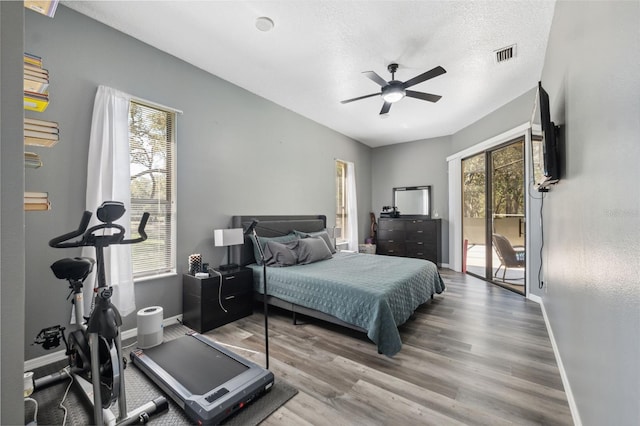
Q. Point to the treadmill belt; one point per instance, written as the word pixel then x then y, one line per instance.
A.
pixel 196 365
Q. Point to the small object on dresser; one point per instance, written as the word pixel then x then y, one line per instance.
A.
pixel 195 263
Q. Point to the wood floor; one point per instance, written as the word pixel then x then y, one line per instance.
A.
pixel 477 354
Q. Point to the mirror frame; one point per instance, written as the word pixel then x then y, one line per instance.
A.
pixel 413 188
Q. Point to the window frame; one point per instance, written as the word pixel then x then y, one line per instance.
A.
pixel 170 254
pixel 342 218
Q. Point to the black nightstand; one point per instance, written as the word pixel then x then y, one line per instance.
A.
pixel 202 299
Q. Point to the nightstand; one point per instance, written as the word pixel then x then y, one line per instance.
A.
pixel 205 305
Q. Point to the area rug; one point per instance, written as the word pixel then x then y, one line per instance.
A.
pixel 139 391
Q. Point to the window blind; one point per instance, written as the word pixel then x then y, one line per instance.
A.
pixel 152 154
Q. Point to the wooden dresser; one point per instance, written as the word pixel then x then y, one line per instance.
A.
pixel 410 237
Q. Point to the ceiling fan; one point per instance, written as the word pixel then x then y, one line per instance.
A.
pixel 394 90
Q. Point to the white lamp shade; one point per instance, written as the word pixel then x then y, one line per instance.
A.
pixel 228 237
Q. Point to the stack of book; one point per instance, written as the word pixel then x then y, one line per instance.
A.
pixel 36 201
pixel 32 160
pixel 36 84
pixel 40 132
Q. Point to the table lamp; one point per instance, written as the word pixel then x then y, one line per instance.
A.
pixel 228 238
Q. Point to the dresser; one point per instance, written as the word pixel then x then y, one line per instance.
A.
pixel 410 237
pixel 206 305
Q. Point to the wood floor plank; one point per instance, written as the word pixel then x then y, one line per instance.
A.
pixel 477 354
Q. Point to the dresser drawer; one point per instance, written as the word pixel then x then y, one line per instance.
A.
pixel 387 224
pixel 391 248
pixel 391 234
pixel 421 251
pixel 240 282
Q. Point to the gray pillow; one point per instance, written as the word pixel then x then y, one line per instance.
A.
pixel 280 254
pixel 312 249
pixel 323 234
pixel 263 240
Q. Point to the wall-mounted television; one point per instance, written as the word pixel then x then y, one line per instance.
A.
pixel 550 159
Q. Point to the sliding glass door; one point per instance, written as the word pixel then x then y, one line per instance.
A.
pixel 493 225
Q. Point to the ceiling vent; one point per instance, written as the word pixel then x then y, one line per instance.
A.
pixel 505 54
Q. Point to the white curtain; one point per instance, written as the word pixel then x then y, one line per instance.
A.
pixel 108 179
pixel 352 206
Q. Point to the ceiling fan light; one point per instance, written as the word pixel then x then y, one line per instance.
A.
pixel 393 94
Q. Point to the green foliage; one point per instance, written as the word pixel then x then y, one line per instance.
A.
pixel 508 182
pixel 148 141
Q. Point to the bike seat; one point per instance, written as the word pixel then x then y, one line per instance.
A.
pixel 77 268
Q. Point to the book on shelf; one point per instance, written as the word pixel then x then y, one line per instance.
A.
pixel 32 84
pixel 36 200
pixel 35 71
pixel 32 59
pixel 38 122
pixel 43 129
pixel 37 207
pixel 45 7
pixel 32 160
pixel 35 103
pixel 41 135
pixel 47 143
pixel 31 194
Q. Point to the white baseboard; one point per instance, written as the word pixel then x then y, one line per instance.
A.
pixel 563 374
pixel 59 355
pixel 538 300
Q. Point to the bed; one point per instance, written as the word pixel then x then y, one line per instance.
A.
pixel 370 293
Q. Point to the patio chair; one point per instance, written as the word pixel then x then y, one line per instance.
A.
pixel 509 256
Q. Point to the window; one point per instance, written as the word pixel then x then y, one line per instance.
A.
pixel 153 183
pixel 342 221
pixel 346 205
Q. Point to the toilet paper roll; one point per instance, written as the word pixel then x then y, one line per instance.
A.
pixel 150 326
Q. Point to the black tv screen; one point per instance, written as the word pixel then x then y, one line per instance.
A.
pixel 550 160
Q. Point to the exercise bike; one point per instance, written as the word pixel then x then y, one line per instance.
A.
pixel 94 349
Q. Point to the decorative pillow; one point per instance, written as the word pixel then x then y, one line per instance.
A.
pixel 323 234
pixel 263 241
pixel 312 249
pixel 280 254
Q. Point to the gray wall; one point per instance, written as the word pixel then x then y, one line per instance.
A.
pixel 237 154
pixel 505 118
pixel 12 293
pixel 414 164
pixel 592 217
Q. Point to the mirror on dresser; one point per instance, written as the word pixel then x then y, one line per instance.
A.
pixel 413 200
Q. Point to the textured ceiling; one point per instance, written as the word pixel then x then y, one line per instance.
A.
pixel 315 55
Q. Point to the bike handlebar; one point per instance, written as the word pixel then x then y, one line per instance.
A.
pixel 143 235
pixel 84 222
pixel 89 238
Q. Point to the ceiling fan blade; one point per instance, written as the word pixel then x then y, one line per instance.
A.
pixel 385 108
pixel 359 97
pixel 424 76
pixel 424 96
pixel 376 78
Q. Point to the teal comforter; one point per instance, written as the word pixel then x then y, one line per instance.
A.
pixel 376 293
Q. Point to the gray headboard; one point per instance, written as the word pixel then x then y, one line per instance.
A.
pixel 272 226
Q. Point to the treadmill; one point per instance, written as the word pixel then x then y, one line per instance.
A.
pixel 206 380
